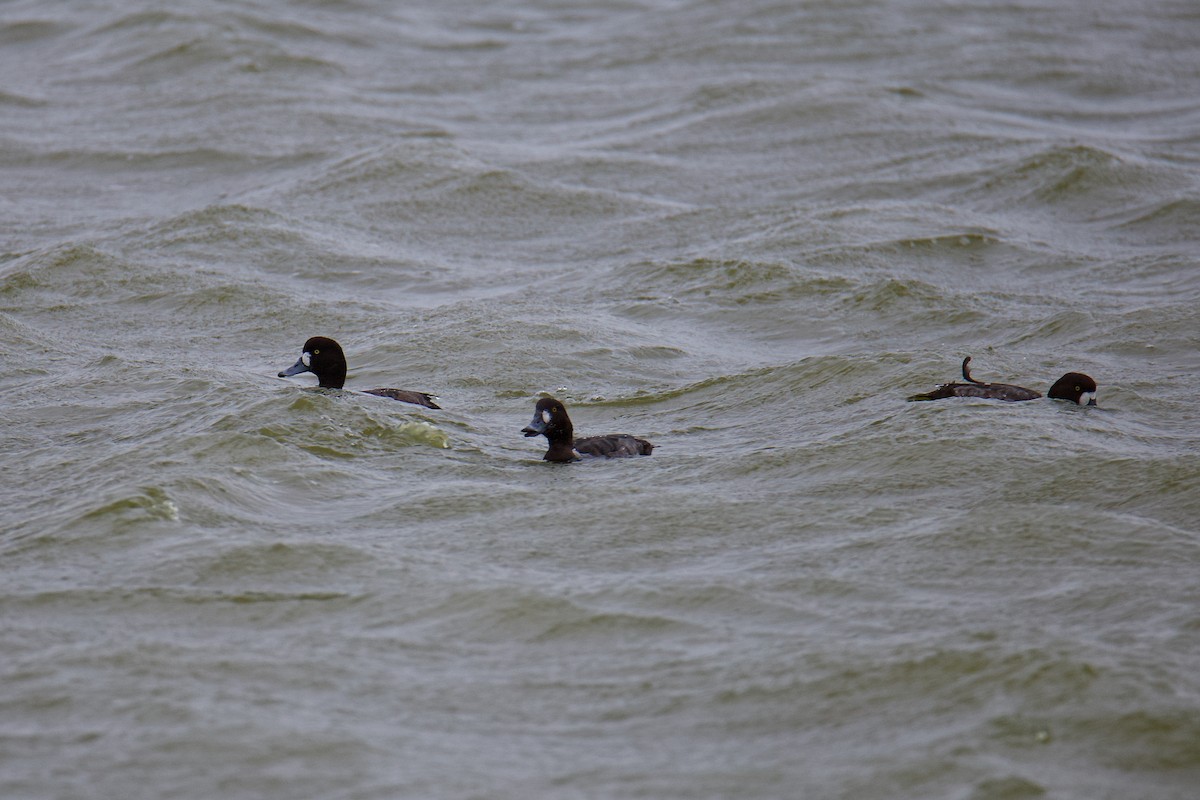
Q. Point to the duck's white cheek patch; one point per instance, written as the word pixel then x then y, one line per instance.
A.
pixel 305 358
pixel 1087 398
pixel 546 417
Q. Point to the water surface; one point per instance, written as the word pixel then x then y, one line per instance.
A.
pixel 744 231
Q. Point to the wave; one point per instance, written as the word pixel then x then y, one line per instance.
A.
pixel 1161 222
pixel 500 613
pixel 159 45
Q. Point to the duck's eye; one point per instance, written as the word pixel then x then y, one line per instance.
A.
pixel 1078 389
pixel 316 352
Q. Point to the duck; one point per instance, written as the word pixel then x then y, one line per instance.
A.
pixel 1074 386
pixel 550 420
pixel 324 358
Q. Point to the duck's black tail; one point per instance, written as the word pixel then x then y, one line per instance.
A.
pixel 948 389
pixel 967 372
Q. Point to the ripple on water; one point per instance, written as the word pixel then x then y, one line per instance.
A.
pixel 151 503
pixel 1066 181
pixel 327 423
pixel 499 614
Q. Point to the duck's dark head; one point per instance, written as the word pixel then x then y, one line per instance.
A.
pixel 324 358
pixel 1076 387
pixel 550 420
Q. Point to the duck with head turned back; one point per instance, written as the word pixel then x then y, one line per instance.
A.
pixel 550 420
pixel 1074 386
pixel 324 358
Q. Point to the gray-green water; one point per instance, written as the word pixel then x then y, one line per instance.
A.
pixel 746 231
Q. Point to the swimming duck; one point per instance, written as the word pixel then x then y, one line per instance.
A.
pixel 550 420
pixel 1074 386
pixel 324 358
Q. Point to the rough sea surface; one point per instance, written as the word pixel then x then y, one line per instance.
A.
pixel 746 231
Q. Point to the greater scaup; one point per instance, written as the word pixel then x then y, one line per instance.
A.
pixel 324 358
pixel 550 420
pixel 1074 386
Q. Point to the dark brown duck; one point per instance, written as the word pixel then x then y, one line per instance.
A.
pixel 1074 386
pixel 550 420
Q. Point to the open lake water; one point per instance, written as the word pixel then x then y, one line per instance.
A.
pixel 744 230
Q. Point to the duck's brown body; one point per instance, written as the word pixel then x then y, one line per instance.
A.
pixel 1074 386
pixel 550 420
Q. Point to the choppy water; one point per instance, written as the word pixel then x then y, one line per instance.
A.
pixel 746 231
